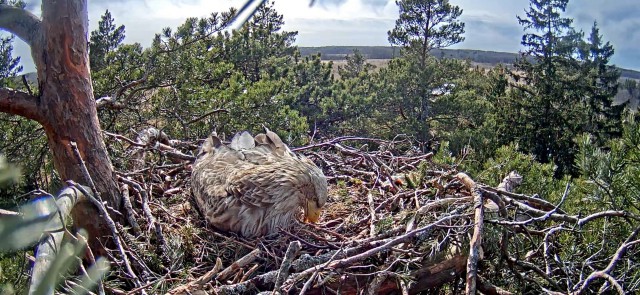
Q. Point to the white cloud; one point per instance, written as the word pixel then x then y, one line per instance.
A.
pixel 490 24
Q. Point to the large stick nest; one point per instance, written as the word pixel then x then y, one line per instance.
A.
pixel 395 223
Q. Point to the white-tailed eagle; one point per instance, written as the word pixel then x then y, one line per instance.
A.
pixel 254 186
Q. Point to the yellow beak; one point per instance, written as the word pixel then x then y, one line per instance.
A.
pixel 311 212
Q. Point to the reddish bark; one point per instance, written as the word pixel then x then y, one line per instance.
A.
pixel 66 107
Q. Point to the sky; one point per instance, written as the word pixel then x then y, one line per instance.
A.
pixel 490 24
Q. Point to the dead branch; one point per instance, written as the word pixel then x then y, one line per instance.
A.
pixel 475 245
pixel 242 262
pixel 147 212
pixel 47 249
pixel 283 272
pixel 487 288
pixel 207 114
pixel 4 212
pixel 113 101
pixel 615 259
pixel 198 284
pixel 129 213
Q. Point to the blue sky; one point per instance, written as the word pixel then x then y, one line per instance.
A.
pixel 490 24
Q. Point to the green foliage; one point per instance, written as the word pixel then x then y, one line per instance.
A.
pixel 411 84
pixel 311 85
pixel 599 88
pixel 563 87
pixel 408 94
pixel 64 262
pixel 465 115
pixel 612 176
pixel 240 72
pixel 196 79
pixel 351 110
pixel 17 232
pixel 21 139
pixel 537 177
pixel 9 65
pixel 426 24
pixel 549 101
pixel 201 77
pixel 104 40
pixel 260 48
pixel 8 173
pixel 356 65
pixel 23 142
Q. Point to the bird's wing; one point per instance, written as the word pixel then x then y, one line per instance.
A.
pixel 254 189
pixel 210 145
pixel 274 142
pixel 248 170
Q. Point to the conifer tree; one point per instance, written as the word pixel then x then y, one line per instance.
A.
pixel 424 25
pixel 356 64
pixel 601 86
pixel 9 65
pixel 104 40
pixel 562 81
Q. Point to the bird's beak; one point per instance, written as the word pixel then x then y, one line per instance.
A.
pixel 311 212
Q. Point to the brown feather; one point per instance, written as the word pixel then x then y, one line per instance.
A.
pixel 255 185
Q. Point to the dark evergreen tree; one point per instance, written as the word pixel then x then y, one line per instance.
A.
pixel 601 86
pixel 312 82
pixel 546 107
pixel 9 65
pixel 260 47
pixel 426 24
pixel 104 40
pixel 423 25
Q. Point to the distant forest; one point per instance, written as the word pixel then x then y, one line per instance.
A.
pixel 388 52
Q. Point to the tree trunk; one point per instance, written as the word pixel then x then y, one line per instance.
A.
pixel 66 107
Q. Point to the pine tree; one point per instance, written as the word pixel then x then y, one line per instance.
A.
pixel 104 40
pixel 424 25
pixel 260 47
pixel 356 64
pixel 564 87
pixel 9 65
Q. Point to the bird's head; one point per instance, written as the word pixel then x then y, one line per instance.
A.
pixel 316 195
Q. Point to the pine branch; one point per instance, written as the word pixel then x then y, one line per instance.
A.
pixel 21 23
pixel 20 103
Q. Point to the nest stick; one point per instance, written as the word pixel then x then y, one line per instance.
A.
pixel 147 211
pixel 283 272
pixel 475 245
pixel 103 210
pixel 240 263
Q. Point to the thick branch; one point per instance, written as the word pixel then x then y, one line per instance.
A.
pixel 20 103
pixel 20 22
pixel 47 249
pixel 475 245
